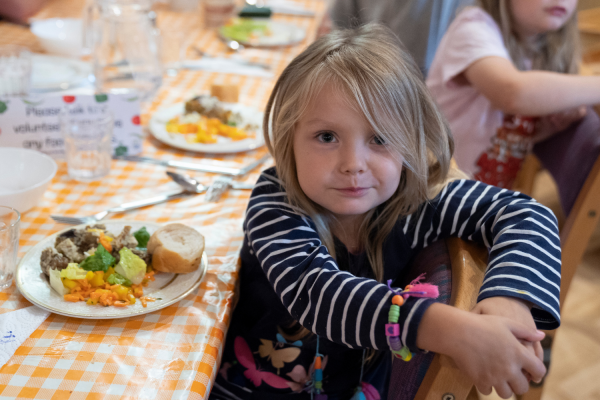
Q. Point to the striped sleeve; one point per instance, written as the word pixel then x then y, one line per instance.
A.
pixel 332 303
pixel 521 235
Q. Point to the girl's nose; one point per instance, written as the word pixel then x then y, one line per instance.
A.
pixel 353 159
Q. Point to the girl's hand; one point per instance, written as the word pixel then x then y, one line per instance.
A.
pixel 516 309
pixel 485 347
pixel 490 352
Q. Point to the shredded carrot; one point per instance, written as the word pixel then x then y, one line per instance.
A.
pixel 71 297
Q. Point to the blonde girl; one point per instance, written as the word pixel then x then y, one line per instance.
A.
pixel 505 77
pixel 362 184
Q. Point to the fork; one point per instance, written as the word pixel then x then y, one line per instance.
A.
pixel 121 208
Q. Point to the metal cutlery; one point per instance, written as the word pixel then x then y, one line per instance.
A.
pixel 237 172
pixel 214 191
pixel 121 208
pixel 235 46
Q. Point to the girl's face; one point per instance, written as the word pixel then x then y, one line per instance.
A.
pixel 341 164
pixel 533 17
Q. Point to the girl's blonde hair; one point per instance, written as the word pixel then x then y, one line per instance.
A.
pixel 367 65
pixel 556 51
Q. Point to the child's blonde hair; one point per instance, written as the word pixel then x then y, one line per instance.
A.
pixel 556 51
pixel 368 65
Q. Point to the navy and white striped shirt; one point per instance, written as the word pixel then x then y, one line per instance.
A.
pixel 521 235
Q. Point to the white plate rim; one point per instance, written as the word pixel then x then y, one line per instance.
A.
pixel 293 27
pixel 155 306
pixel 157 128
pixel 84 70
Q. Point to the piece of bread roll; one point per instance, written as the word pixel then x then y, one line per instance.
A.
pixel 176 248
pixel 225 92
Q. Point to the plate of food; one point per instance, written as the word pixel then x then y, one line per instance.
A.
pixel 117 269
pixel 261 33
pixel 206 124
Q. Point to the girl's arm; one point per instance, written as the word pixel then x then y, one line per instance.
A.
pixel 521 235
pixel 533 93
pixel 334 304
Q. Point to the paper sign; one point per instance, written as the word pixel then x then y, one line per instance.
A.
pixel 34 123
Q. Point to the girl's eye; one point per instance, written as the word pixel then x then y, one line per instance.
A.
pixel 326 137
pixel 378 140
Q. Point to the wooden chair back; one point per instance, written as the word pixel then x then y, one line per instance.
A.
pixel 444 381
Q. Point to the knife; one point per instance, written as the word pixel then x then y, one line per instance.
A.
pixel 217 169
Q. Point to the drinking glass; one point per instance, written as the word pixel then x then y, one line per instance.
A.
pixel 217 12
pixel 15 70
pixel 88 145
pixel 9 244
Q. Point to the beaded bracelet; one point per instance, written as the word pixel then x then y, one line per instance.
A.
pixel 392 328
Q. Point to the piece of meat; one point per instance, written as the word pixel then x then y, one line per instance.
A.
pixel 125 239
pixel 70 250
pixel 70 234
pixel 51 259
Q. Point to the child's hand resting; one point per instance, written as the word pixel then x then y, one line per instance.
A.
pixel 515 309
pixel 486 348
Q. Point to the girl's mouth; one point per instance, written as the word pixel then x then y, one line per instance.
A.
pixel 353 191
pixel 557 11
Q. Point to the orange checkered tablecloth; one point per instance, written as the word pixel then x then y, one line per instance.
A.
pixel 172 353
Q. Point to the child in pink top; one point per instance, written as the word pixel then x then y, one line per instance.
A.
pixel 503 76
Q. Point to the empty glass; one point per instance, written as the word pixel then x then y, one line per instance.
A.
pixel 9 244
pixel 121 36
pixel 15 70
pixel 88 147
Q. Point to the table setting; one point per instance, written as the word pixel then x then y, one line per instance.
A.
pixel 168 137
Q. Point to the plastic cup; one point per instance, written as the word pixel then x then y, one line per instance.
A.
pixel 15 70
pixel 88 147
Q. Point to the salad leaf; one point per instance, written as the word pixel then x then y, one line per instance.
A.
pixel 101 260
pixel 242 29
pixel 131 266
pixel 142 236
pixel 73 272
pixel 117 279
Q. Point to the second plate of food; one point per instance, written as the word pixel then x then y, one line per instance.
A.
pixel 206 125
pixel 261 33
pixel 54 251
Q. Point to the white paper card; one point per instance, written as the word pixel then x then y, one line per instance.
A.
pixel 34 123
pixel 16 327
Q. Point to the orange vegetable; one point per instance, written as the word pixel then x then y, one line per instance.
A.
pixel 71 297
pixel 105 243
pixel 120 303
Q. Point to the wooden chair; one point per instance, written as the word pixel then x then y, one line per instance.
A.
pixel 467 263
pixel 574 238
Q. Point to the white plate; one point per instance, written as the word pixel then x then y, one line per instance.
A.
pixel 158 128
pixel 57 73
pixel 35 286
pixel 281 34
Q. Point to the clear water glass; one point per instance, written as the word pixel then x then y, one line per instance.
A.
pixel 15 70
pixel 88 147
pixel 9 244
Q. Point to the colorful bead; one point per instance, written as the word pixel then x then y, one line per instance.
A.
pixel 395 343
pixel 392 330
pixel 321 397
pixel 318 385
pixel 398 300
pixel 318 375
pixel 359 395
pixel 317 362
pixel 405 354
pixel 408 287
